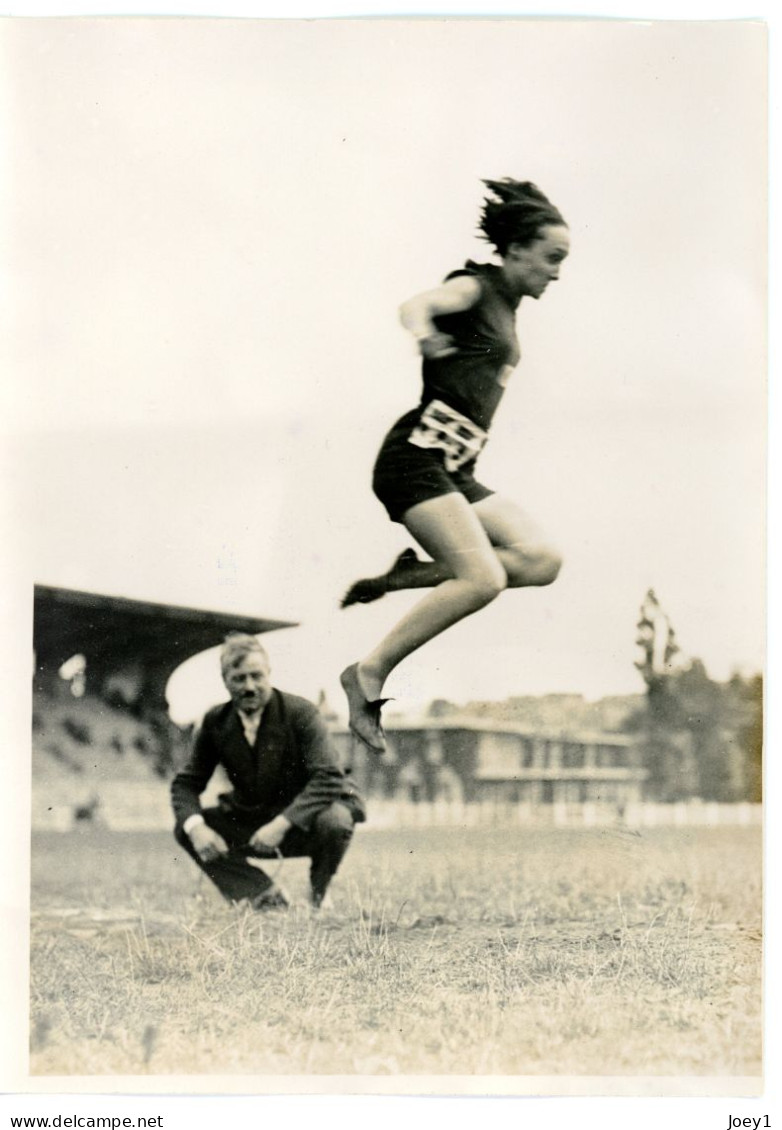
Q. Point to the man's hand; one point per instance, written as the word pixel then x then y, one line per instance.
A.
pixel 270 835
pixel 207 843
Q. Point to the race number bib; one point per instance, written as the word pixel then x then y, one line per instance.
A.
pixel 445 429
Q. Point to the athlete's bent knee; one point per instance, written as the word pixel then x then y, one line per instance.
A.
pixel 533 567
pixel 487 586
pixel 549 567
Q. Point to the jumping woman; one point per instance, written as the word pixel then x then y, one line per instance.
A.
pixel 479 543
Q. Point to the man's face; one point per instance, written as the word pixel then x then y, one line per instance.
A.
pixel 248 682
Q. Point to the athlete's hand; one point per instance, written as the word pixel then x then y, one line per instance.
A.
pixel 207 843
pixel 436 345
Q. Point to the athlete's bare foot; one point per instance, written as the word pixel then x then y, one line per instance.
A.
pixel 364 712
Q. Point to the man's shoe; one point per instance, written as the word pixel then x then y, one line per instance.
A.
pixel 364 716
pixel 272 899
pixel 322 901
pixel 372 588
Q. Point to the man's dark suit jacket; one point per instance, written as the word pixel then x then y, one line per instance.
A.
pixel 292 769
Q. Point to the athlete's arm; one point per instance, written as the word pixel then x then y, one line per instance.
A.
pixel 451 297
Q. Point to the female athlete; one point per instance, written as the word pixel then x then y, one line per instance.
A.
pixel 479 543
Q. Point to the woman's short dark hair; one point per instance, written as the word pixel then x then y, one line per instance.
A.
pixel 514 212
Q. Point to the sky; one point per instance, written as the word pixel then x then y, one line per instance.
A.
pixel 213 224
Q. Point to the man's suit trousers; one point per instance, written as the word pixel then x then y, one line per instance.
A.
pixel 236 879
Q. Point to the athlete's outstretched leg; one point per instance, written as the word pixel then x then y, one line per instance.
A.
pixel 477 551
pixel 524 553
pixel 449 530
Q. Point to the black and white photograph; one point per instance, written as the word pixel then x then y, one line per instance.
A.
pixel 385 483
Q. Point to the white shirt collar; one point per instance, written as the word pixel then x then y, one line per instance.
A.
pixel 250 724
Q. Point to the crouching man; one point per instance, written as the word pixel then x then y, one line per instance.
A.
pixel 289 795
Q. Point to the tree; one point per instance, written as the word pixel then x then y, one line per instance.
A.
pixel 700 737
pixel 747 695
pixel 667 747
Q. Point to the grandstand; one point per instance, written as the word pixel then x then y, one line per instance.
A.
pixel 103 741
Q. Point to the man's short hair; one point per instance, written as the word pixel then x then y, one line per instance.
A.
pixel 237 646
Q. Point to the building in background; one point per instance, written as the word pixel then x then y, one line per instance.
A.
pixel 473 760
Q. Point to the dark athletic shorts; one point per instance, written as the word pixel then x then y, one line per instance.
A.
pixel 405 475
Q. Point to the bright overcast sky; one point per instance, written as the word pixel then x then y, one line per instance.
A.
pixel 213 225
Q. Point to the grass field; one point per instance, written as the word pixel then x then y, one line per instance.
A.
pixel 513 951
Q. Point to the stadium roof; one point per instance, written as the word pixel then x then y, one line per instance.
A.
pixel 112 631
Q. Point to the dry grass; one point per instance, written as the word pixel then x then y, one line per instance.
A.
pixel 500 951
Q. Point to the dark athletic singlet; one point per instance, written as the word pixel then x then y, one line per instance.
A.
pixel 473 379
